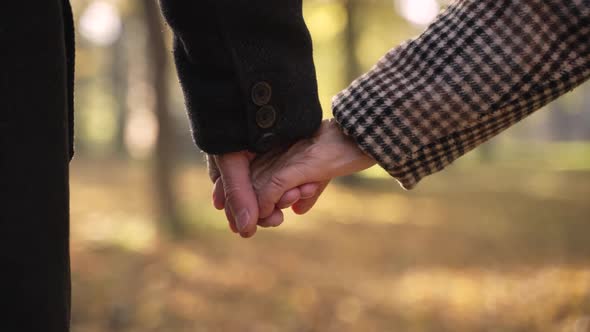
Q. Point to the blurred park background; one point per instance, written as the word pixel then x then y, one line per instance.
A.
pixel 498 242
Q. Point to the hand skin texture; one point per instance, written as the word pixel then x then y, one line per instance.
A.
pixel 292 178
pixel 234 193
pixel 308 165
pixel 231 174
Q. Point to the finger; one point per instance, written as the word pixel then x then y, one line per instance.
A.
pixel 289 198
pixel 275 219
pixel 239 194
pixel 305 205
pixel 212 168
pixel 218 195
pixel 230 220
pixel 279 183
pixel 309 190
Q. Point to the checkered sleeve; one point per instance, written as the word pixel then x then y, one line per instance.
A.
pixel 482 66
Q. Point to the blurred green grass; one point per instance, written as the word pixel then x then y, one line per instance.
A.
pixel 475 248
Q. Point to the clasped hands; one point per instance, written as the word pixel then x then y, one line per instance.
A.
pixel 254 189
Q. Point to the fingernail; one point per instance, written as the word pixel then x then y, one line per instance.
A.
pixel 242 220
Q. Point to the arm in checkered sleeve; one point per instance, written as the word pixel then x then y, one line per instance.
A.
pixel 482 66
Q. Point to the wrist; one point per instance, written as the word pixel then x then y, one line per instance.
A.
pixel 348 157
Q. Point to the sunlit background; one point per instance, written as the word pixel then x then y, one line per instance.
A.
pixel 498 242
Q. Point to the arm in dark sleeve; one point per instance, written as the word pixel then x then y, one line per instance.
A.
pixel 481 67
pixel 247 72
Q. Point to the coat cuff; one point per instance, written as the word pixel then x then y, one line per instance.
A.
pixel 247 71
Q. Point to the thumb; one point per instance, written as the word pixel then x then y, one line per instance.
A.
pixel 239 193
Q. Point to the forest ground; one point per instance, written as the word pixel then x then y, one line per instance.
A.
pixel 472 249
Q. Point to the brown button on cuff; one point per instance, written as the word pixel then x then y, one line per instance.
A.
pixel 261 93
pixel 266 142
pixel 266 117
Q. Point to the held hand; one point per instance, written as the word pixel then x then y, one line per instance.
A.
pixel 233 192
pixel 309 164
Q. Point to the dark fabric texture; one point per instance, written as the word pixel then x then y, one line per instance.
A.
pixel 222 49
pixel 482 66
pixel 35 106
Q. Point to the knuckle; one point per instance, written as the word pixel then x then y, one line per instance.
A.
pixel 213 175
pixel 258 185
pixel 231 191
pixel 213 169
pixel 277 182
pixel 314 150
pixel 266 207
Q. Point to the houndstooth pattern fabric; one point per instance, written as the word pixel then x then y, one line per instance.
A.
pixel 482 66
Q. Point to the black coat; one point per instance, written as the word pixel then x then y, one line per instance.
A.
pixel 247 71
pixel 36 78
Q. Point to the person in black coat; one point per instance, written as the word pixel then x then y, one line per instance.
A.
pixel 244 67
pixel 247 71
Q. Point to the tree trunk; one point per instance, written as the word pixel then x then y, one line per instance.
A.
pixel 165 146
pixel 119 91
pixel 559 121
pixel 350 40
pixel 353 69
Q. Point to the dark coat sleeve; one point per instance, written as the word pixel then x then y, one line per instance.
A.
pixel 247 72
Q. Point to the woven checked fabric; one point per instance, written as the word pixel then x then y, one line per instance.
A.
pixel 482 66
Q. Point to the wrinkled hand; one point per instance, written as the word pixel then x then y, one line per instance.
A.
pixel 308 165
pixel 233 190
pixel 234 193
pixel 253 190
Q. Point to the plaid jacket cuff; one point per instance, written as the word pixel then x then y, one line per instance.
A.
pixel 478 69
